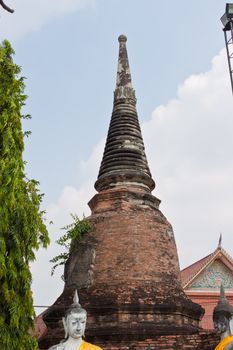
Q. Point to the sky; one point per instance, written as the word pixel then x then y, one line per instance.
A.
pixel 68 53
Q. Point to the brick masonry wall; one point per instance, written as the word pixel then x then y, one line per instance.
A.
pixel 126 271
pixel 201 341
pixel 132 241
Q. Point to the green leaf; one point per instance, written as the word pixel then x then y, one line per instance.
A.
pixel 73 235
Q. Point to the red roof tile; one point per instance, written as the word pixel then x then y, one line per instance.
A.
pixel 191 270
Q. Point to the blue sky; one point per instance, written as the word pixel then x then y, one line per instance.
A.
pixel 68 52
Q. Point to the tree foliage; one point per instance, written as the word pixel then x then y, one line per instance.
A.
pixel 22 229
pixel 73 235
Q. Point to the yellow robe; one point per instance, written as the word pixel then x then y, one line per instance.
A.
pixel 88 346
pixel 223 343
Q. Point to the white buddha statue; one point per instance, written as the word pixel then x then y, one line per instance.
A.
pixel 74 324
pixel 223 321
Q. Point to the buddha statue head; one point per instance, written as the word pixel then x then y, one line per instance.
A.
pixel 222 315
pixel 74 320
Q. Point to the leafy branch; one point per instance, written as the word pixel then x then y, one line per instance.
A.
pixel 74 234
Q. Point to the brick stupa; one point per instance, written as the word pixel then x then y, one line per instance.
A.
pixel 126 269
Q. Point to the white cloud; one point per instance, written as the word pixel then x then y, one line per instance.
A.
pixel 74 200
pixel 31 15
pixel 71 200
pixel 189 146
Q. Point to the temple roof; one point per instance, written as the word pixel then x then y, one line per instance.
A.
pixel 124 161
pixel 191 272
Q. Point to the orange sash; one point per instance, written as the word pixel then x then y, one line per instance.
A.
pixel 88 346
pixel 223 343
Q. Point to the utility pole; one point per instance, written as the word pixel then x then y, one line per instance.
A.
pixel 227 21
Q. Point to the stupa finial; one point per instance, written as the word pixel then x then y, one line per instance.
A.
pixel 220 241
pixel 124 89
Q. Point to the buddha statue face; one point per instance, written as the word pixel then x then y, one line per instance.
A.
pixel 75 323
pixel 221 324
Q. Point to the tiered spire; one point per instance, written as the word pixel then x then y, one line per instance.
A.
pixel 124 161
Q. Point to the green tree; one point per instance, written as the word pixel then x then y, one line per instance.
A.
pixel 22 229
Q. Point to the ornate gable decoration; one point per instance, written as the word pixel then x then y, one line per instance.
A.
pixel 209 272
pixel 213 276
